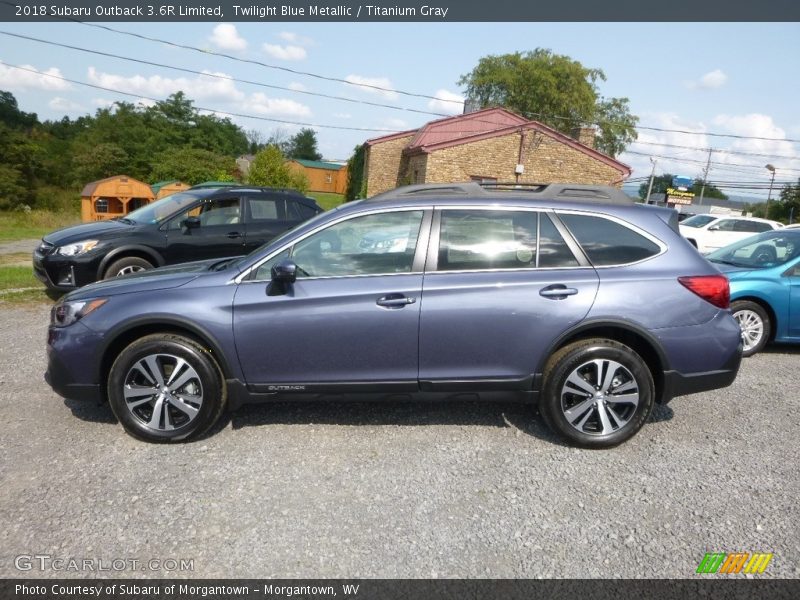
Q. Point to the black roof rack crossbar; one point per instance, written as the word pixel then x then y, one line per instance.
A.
pixel 566 191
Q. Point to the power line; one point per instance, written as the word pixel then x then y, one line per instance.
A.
pixel 393 90
pixel 260 63
pixel 724 151
pixel 200 108
pixel 219 76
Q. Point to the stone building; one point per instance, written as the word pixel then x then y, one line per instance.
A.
pixel 488 145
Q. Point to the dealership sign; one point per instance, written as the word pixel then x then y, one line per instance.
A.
pixel 676 196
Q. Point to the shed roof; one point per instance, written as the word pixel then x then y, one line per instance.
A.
pixel 319 164
pixel 90 188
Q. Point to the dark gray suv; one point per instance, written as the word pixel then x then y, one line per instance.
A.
pixel 568 296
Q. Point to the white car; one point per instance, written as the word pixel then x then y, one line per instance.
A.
pixel 712 232
pixel 794 226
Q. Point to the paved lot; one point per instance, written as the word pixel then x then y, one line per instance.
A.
pixel 400 490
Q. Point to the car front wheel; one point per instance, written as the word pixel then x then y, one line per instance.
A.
pixel 598 393
pixel 755 325
pixel 126 266
pixel 166 388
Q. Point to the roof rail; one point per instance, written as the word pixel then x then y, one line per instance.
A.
pixel 565 191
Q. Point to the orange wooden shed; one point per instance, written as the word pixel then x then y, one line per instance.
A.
pixel 322 176
pixel 113 197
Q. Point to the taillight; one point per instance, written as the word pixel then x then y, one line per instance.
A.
pixel 715 289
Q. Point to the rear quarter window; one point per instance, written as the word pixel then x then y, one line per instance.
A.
pixel 608 242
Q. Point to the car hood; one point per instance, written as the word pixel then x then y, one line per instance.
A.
pixel 155 279
pixel 88 231
pixel 732 271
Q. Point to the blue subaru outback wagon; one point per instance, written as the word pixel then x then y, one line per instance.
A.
pixel 568 296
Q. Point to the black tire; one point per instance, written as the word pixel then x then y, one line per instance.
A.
pixel 755 324
pixel 622 419
pixel 128 264
pixel 135 369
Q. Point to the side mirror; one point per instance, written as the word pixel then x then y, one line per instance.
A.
pixel 284 271
pixel 191 222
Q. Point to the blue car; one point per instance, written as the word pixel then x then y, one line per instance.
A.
pixel 568 296
pixel 764 271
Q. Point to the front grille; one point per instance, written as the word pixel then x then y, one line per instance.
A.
pixel 46 248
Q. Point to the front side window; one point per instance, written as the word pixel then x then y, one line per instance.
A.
pixel 698 221
pixel 607 242
pixel 486 239
pixel 224 211
pixel 377 244
pixel 725 225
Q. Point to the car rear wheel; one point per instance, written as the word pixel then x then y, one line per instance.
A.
pixel 755 325
pixel 125 266
pixel 166 388
pixel 598 393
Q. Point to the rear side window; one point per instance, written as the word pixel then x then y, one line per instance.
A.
pixel 607 242
pixel 752 226
pixel 485 239
pixel 263 209
pixel 295 211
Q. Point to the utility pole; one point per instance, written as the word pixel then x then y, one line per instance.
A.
pixel 705 176
pixel 652 175
pixel 771 169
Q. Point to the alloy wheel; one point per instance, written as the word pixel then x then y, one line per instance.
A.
pixel 752 327
pixel 599 397
pixel 163 392
pixel 130 269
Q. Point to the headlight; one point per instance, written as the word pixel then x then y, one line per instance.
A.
pixel 67 313
pixel 77 248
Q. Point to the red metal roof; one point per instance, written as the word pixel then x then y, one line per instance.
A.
pixel 484 124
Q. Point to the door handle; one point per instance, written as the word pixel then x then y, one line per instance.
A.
pixel 395 301
pixel 234 234
pixel 557 291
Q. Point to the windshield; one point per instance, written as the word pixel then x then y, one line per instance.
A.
pixel 166 207
pixel 698 221
pixel 762 251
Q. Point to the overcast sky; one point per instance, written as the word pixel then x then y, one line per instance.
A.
pixel 738 79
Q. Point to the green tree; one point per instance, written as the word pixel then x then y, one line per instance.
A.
pixel 355 173
pixel 786 207
pixel 11 115
pixel 304 145
pixel 100 161
pixel 553 89
pixel 192 165
pixel 269 169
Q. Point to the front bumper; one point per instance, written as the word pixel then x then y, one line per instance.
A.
pixel 72 362
pixel 65 273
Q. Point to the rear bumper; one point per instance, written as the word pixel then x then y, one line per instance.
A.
pixel 680 384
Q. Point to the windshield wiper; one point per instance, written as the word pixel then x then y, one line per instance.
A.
pixel 218 266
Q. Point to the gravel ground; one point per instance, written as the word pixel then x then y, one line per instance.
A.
pixel 19 246
pixel 399 490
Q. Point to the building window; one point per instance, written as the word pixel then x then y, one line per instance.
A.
pixel 328 178
pixel 101 205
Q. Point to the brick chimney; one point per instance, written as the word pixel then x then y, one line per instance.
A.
pixel 585 135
